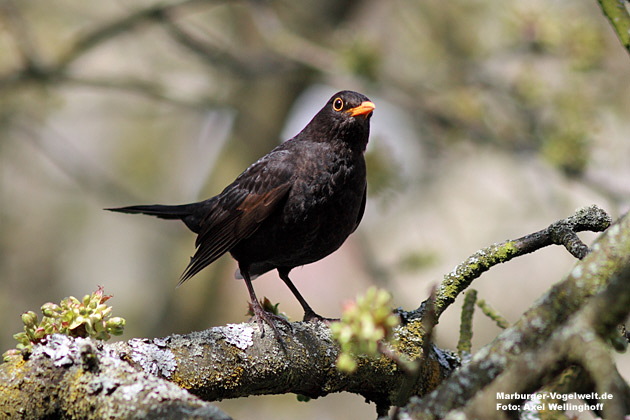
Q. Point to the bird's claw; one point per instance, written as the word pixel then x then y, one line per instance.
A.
pixel 263 317
pixel 311 316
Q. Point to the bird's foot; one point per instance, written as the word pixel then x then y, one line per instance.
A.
pixel 310 316
pixel 264 317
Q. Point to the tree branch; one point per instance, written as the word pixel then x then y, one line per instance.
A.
pixel 83 379
pixel 35 69
pixel 561 232
pixel 618 13
pixel 573 342
pixel 105 32
pixel 235 361
pixel 546 324
pixel 223 362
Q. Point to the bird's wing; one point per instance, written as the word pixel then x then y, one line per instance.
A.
pixel 240 208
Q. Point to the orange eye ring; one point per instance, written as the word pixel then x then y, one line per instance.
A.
pixel 338 104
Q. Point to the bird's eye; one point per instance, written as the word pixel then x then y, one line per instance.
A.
pixel 338 104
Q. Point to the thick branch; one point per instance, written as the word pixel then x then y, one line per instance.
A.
pixel 223 362
pixel 82 379
pixel 234 361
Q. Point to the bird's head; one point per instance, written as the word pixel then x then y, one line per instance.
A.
pixel 345 117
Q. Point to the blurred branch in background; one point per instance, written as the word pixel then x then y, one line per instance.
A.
pixel 482 98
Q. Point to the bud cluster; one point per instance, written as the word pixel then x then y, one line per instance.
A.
pixel 363 325
pixel 89 317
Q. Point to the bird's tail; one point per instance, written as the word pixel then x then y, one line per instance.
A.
pixel 158 210
pixel 187 213
pixel 191 214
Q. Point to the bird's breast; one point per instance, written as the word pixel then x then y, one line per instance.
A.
pixel 329 190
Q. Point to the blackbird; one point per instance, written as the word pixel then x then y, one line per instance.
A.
pixel 294 206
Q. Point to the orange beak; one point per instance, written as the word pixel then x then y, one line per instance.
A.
pixel 365 108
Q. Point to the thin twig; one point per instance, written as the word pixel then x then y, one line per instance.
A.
pixel 618 13
pixel 464 345
pixel 562 232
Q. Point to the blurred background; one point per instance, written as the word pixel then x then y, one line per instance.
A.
pixel 493 119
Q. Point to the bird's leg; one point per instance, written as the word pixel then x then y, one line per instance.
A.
pixel 259 313
pixel 309 313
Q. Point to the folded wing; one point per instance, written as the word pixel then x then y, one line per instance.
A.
pixel 239 210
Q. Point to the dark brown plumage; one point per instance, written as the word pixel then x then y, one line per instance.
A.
pixel 292 207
